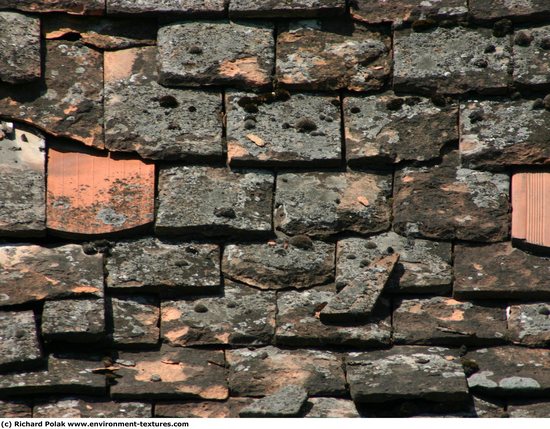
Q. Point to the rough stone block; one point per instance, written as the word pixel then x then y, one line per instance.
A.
pixel 529 324
pixel 330 407
pixel 15 409
pixel 509 371
pixel 22 177
pixel 69 101
pixel 280 264
pixel 327 203
pixel 499 271
pixel 390 129
pixel 157 122
pixel 213 201
pixel 445 321
pixel 163 266
pixel 447 201
pixel 428 373
pixel 299 323
pixel 216 53
pixel 265 370
pixel 77 7
pixel 423 267
pixel 171 373
pixel 288 401
pixel 529 409
pixel 494 134
pixel 285 8
pixel 187 7
pixel 135 320
pixel 75 408
pixel 19 348
pixel 19 48
pixel 310 57
pixel 276 129
pixel 484 10
pixel 34 273
pixel 532 57
pixel 242 316
pixel 75 321
pixel 202 409
pixel 451 61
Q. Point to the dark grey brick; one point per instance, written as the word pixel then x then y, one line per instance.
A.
pixel 187 7
pixel 529 10
pixel 529 324
pixel 285 8
pixel 75 408
pixel 135 320
pixel 288 401
pixel 78 7
pixel 532 61
pixel 19 348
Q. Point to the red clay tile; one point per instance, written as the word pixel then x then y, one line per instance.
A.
pixel 97 194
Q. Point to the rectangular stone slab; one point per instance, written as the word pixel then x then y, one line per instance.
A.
pixel 529 324
pixel 202 409
pixel 91 193
pixel 19 347
pixel 78 7
pixel 484 10
pixel 529 409
pixel 357 300
pixel 34 273
pixel 73 408
pixel 187 7
pixel 135 320
pixel 532 58
pixel 15 409
pixel 22 177
pixel 285 8
pixel 406 372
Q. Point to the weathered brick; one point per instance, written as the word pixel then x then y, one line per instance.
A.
pixel 263 371
pixel 242 316
pixel 386 128
pixel 375 12
pixel 327 203
pixel 447 201
pixel 424 266
pixel 310 57
pixel 216 53
pixel 19 48
pixel 15 409
pixel 529 324
pixel 451 61
pixel 276 129
pixel 78 7
pixel 285 8
pixel 445 321
pixel 74 408
pixel 213 201
pixel 75 321
pixel 509 371
pixel 171 373
pixel 532 57
pixel 494 134
pixel 330 407
pixel 135 320
pixel 529 10
pixel 499 271
pixel 157 122
pixel 280 264
pixel 299 324
pixel 19 348
pixel 429 373
pixel 163 266
pixel 34 273
pixel 202 409
pixel 529 409
pixel 187 7
pixel 288 401
pixel 69 103
pixel 22 166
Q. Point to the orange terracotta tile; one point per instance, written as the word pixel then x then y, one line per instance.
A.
pixel 90 193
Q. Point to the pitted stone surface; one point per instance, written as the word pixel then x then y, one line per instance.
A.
pixel 379 11
pixel 202 409
pixel 74 408
pixel 529 409
pixel 330 407
pixel 78 321
pixel 310 57
pixel 392 129
pixel 65 374
pixel 445 321
pixel 508 133
pixel 279 264
pixel 157 122
pixel 423 267
pixel 34 273
pixel 135 320
pixel 529 324
pixel 78 7
pixel 171 373
pixel 532 62
pixel 429 373
pixel 288 401
pixel 187 7
pixel 22 166
pixel 19 48
pixel 69 103
pixel 216 53
pixel 15 409
pixel 499 271
pixel 451 61
pixel 213 201
pixel 510 371
pixel 164 266
pixel 285 8
pixel 242 316
pixel 327 203
pixel 299 324
pixel 524 10
pixel 447 201
pixel 265 370
pixel 19 346
pixel 303 129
